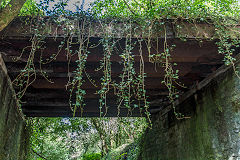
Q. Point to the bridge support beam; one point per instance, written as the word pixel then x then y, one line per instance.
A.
pixel 12 126
pixel 212 132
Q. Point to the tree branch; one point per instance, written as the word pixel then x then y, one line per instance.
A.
pixel 8 13
pixel 129 7
pixel 39 155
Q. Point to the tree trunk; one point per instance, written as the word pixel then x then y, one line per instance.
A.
pixel 102 134
pixel 8 13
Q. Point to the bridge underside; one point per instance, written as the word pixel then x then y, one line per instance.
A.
pixel 196 60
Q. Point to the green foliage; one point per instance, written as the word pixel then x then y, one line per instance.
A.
pixel 30 8
pixel 4 3
pixel 125 151
pixel 160 9
pixel 69 138
pixel 92 156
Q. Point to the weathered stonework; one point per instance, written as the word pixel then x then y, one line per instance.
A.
pixel 12 126
pixel 212 132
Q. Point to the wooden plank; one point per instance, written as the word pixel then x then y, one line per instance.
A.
pixel 190 51
pixel 115 28
pixel 65 111
pixel 60 70
pixel 60 83
pixel 40 94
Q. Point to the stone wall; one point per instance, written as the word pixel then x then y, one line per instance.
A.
pixel 12 126
pixel 212 132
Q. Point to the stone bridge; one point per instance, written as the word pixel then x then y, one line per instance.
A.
pixel 210 99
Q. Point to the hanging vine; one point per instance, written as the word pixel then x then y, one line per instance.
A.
pixel 82 54
pixel 130 90
pixel 105 65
